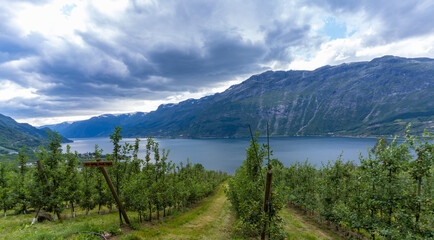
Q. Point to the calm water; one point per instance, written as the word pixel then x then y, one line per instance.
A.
pixel 228 154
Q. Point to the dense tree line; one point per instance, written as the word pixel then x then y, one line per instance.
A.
pixel 387 196
pixel 152 185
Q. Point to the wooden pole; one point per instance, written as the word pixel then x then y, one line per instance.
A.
pixel 112 189
pixel 267 199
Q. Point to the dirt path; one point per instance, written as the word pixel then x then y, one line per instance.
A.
pixel 210 219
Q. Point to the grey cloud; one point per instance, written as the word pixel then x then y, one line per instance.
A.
pixel 13 47
pixel 399 19
pixel 221 58
pixel 282 36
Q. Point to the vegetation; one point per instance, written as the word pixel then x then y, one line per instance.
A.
pixel 388 196
pixel 59 183
pixel 246 194
pixel 14 136
pixel 210 218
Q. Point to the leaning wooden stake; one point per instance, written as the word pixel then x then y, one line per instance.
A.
pixel 115 195
pixel 267 199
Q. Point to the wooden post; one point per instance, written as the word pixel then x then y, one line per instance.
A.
pixel 267 199
pixel 101 166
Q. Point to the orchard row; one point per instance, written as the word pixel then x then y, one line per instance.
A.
pixel 153 184
pixel 388 195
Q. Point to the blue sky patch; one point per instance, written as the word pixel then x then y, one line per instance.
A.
pixel 67 9
pixel 333 29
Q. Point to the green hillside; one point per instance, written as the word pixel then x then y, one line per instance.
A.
pixel 15 135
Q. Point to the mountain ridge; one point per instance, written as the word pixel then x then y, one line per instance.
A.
pixel 373 98
pixel 102 125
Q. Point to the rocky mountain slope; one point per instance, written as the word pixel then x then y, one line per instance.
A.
pixel 379 97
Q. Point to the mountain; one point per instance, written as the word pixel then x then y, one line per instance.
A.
pixel 15 135
pixel 375 98
pixel 99 126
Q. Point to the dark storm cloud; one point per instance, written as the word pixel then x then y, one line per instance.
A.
pixel 220 59
pixel 281 36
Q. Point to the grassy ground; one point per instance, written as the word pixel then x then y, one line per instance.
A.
pixel 19 227
pixel 302 227
pixel 211 218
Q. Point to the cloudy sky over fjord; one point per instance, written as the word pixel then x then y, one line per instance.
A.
pixel 70 60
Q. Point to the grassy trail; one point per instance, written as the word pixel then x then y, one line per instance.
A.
pixel 301 227
pixel 210 219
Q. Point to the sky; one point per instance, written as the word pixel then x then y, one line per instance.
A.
pixel 71 60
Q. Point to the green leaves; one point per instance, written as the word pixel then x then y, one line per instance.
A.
pixel 246 194
pixel 389 194
pixel 143 185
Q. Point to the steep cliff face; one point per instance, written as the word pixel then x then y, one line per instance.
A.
pixel 360 99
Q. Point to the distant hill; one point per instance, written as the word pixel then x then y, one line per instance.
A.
pixel 97 126
pixel 375 98
pixel 15 135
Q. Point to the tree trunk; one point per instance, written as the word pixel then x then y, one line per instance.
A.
pixel 120 216
pixel 36 216
pixel 72 207
pixel 390 205
pixel 419 184
pixel 150 212
pixel 119 194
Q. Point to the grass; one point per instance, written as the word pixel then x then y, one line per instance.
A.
pixel 19 227
pixel 211 218
pixel 300 227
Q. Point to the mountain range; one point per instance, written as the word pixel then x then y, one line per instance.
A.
pixel 14 135
pixel 375 98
